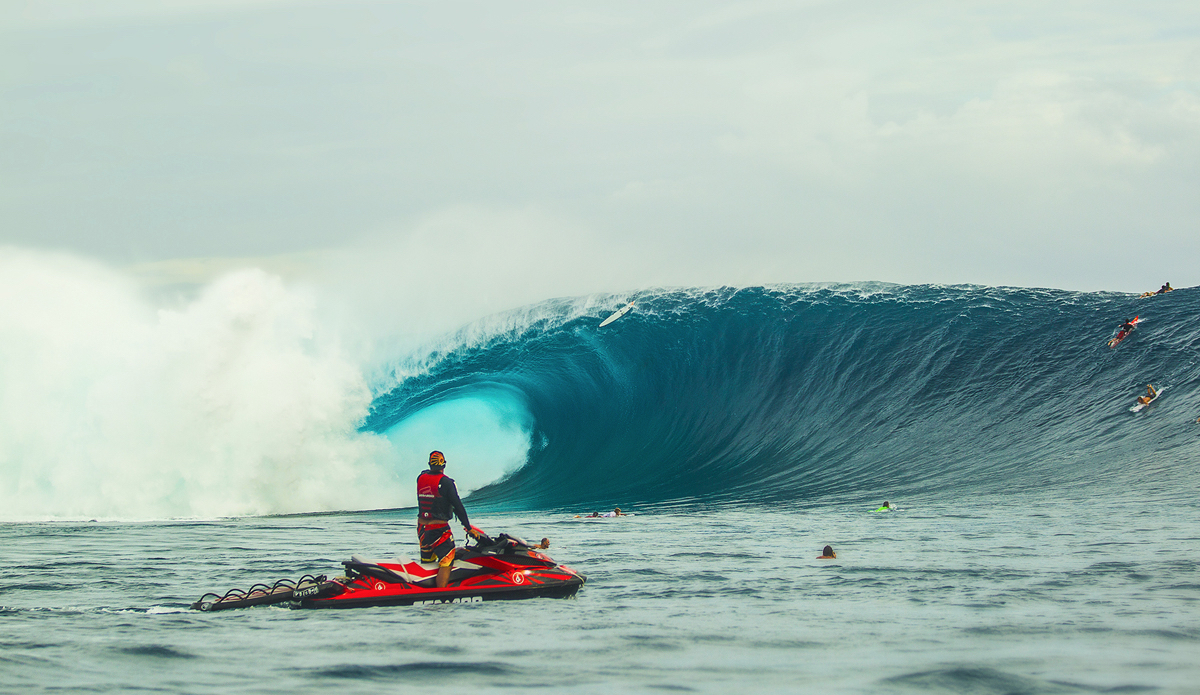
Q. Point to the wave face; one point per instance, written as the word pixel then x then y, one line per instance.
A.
pixel 803 394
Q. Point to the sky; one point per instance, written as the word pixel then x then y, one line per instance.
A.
pixel 524 150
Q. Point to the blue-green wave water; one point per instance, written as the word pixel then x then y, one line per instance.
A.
pixel 800 393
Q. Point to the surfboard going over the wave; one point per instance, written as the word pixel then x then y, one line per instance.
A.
pixel 617 314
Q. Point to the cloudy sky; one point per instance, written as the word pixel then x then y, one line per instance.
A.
pixel 572 147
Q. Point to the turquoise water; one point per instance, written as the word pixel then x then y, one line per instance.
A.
pixel 804 394
pixel 1003 594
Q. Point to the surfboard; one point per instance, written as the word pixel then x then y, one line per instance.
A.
pixel 617 314
pixel 1139 406
pixel 1118 337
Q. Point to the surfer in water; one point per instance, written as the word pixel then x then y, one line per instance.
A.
pixel 1125 329
pixel 827 553
pixel 1162 290
pixel 887 507
pixel 606 515
pixel 1151 394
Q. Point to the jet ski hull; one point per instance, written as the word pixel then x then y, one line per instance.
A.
pixel 500 573
pixel 504 569
pixel 351 596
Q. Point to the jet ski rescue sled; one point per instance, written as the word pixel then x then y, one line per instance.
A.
pixel 503 568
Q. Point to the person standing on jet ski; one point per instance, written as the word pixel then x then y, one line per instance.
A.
pixel 437 503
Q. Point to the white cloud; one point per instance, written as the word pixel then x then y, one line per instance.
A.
pixel 757 141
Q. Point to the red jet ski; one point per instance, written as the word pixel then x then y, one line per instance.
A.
pixel 497 569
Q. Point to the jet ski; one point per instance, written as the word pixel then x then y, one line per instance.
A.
pixel 503 568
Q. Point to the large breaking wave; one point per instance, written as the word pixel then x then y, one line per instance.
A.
pixel 809 393
pixel 244 399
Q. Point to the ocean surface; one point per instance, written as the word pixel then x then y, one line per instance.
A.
pixel 1047 539
pixel 1032 593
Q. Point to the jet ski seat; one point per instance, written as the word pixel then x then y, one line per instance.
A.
pixel 410 572
pixel 372 568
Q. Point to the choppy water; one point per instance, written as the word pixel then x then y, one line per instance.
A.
pixel 1018 594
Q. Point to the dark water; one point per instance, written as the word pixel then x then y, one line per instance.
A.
pixel 802 394
pixel 1031 593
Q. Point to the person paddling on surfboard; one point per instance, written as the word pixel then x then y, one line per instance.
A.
pixel 1151 394
pixel 1125 329
pixel 1165 288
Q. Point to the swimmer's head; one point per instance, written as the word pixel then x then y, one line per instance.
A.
pixel 827 551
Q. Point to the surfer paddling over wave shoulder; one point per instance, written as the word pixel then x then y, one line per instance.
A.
pixel 1124 330
pixel 1162 290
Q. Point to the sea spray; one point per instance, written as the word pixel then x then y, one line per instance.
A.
pixel 234 403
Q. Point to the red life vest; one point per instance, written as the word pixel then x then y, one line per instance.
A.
pixel 431 506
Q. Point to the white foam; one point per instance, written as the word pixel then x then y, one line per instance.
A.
pixel 234 403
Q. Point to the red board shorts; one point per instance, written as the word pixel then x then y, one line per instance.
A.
pixel 437 543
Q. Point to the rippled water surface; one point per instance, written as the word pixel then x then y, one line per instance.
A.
pixel 1029 595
